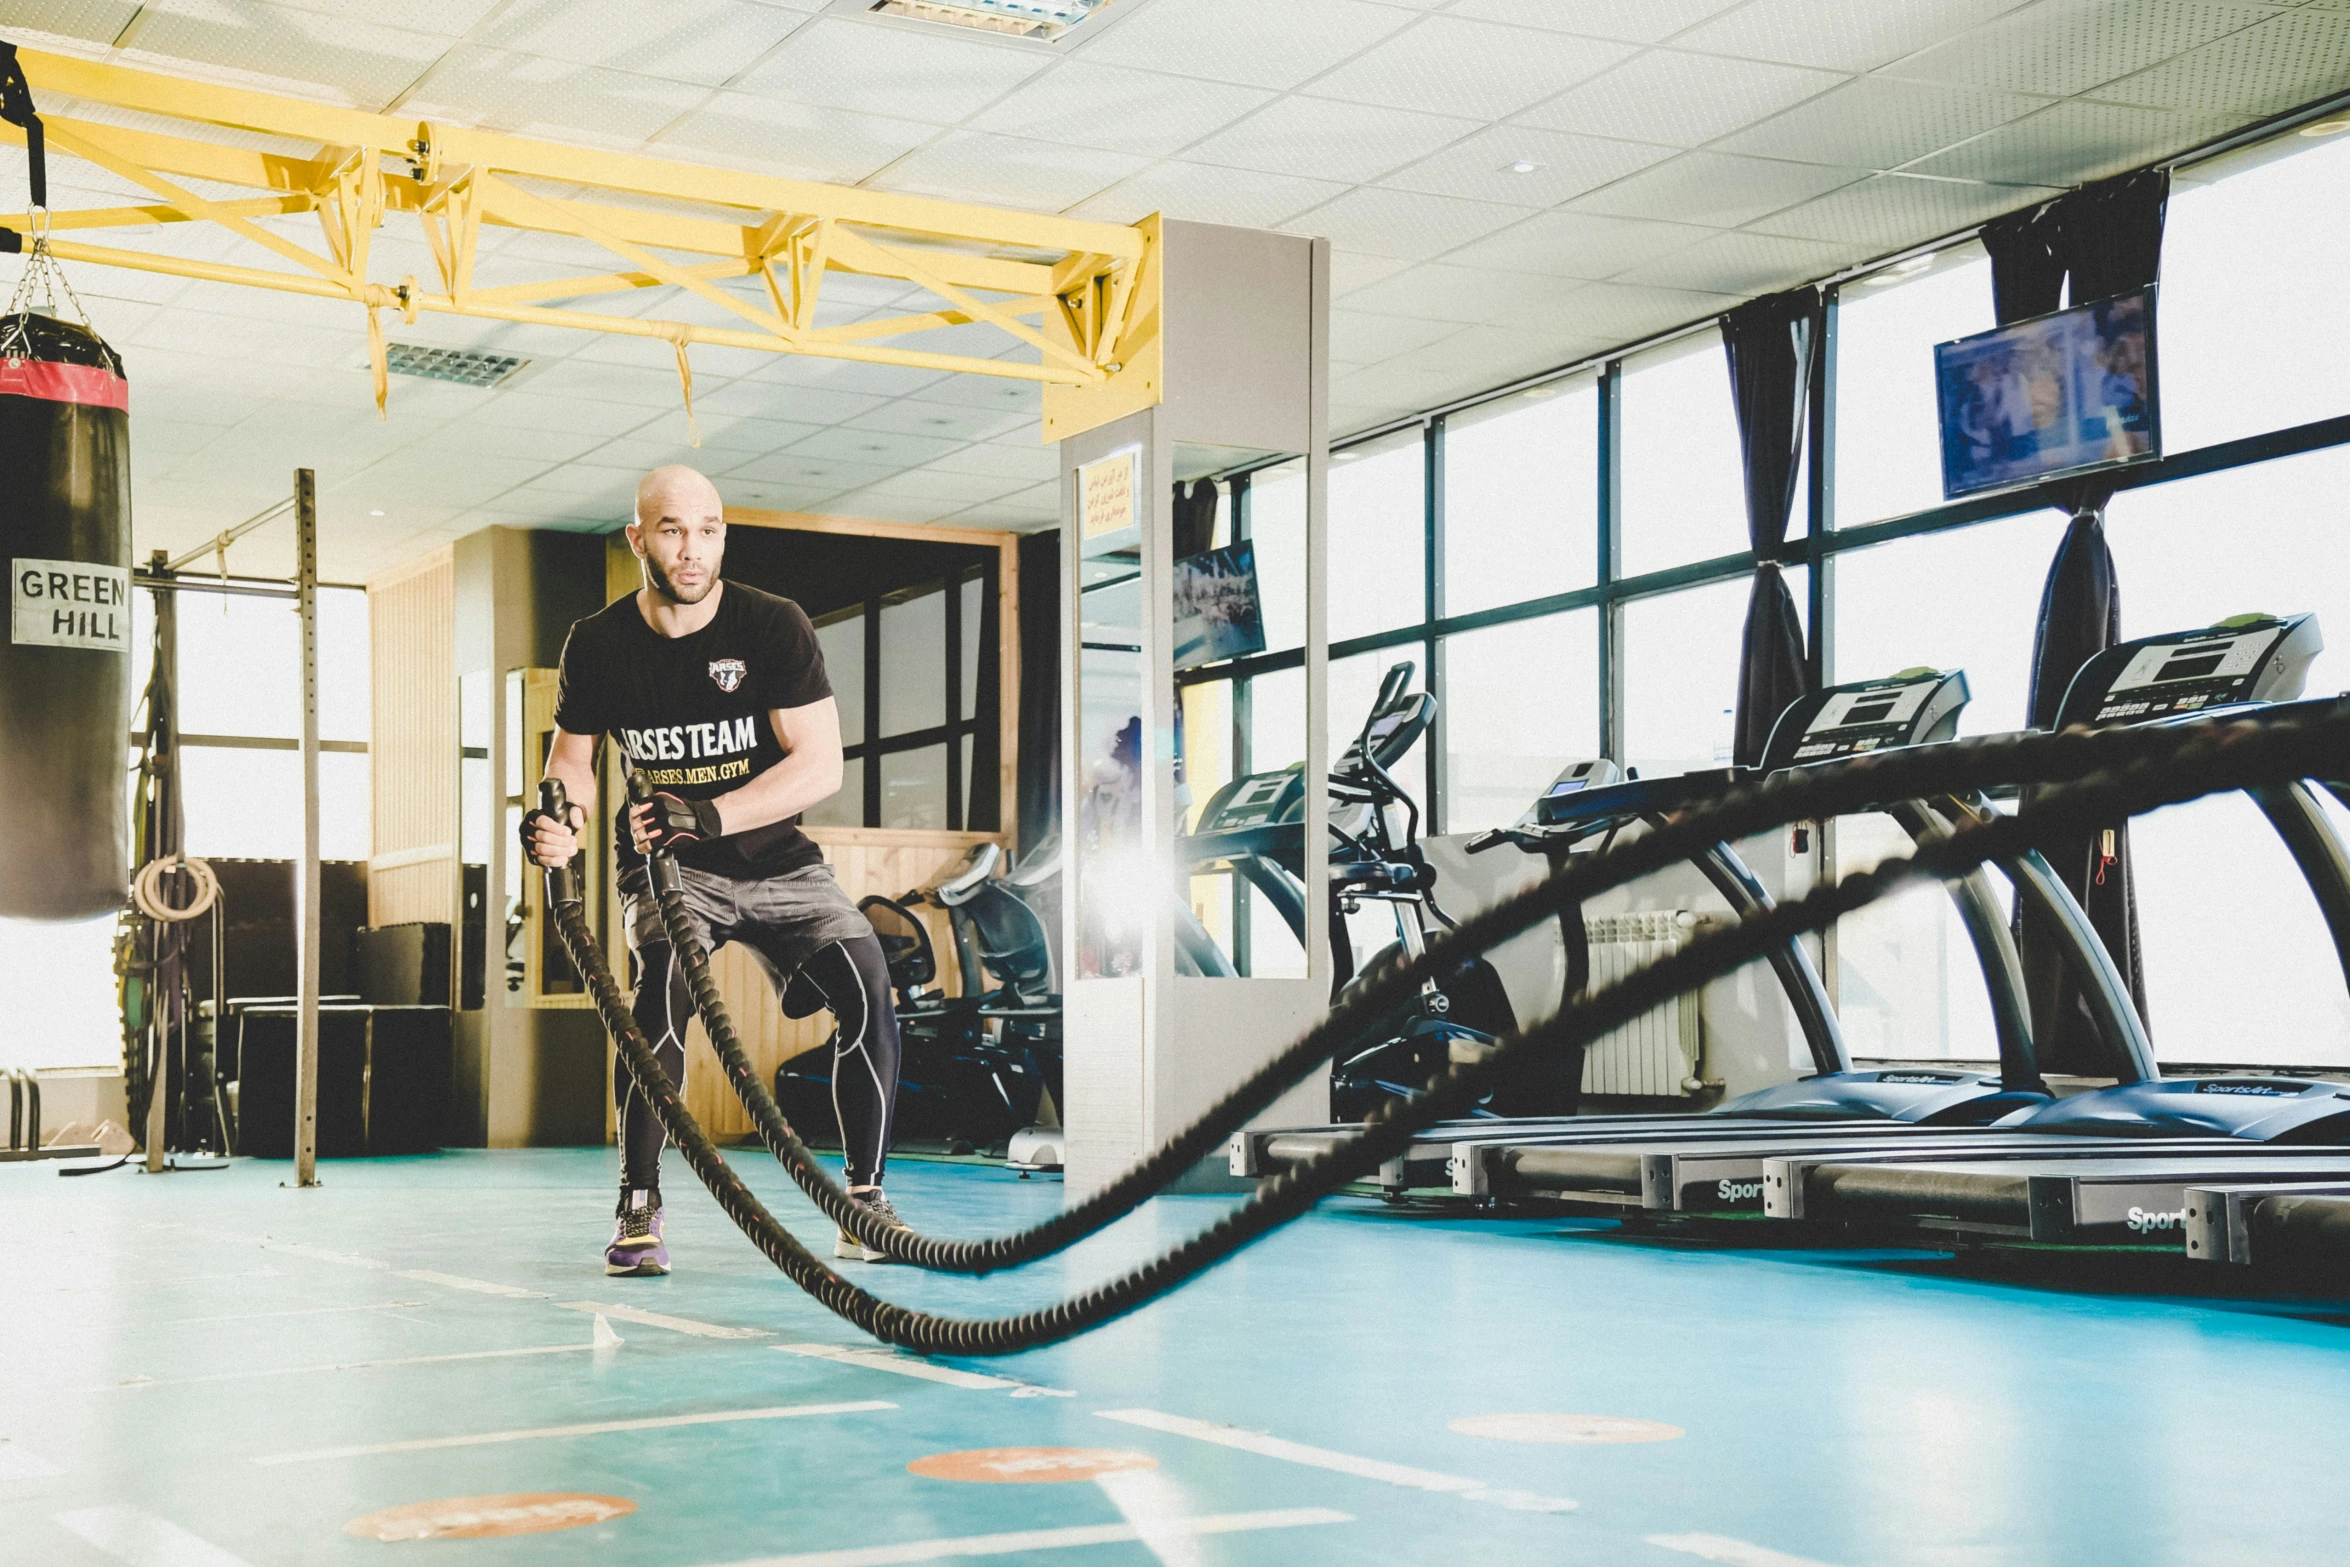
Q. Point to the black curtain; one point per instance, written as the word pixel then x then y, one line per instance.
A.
pixel 1039 805
pixel 2107 238
pixel 1772 344
pixel 1195 518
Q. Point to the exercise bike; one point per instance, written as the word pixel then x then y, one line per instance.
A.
pixel 977 1070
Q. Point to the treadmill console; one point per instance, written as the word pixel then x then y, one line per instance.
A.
pixel 1576 777
pixel 1915 707
pixel 2251 658
pixel 1258 800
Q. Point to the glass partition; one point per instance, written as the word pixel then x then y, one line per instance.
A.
pixel 1114 874
pixel 477 815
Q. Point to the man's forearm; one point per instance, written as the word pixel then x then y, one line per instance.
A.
pixel 800 781
pixel 579 784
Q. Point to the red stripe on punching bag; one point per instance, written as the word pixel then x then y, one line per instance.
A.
pixel 88 385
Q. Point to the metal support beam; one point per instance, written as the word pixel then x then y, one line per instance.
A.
pixel 306 1028
pixel 1081 296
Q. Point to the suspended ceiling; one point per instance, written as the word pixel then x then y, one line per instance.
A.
pixel 1508 185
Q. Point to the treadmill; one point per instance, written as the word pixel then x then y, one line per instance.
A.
pixel 1918 706
pixel 2064 1181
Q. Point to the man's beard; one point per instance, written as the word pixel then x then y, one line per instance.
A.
pixel 668 590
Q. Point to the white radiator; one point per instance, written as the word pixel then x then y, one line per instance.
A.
pixel 1657 1053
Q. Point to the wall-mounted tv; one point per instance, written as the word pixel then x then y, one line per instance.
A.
pixel 2055 395
pixel 1218 613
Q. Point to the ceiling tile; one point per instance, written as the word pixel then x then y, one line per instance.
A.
pixel 1010 171
pixel 524 410
pixel 1622 312
pixel 782 400
pixel 904 72
pixel 1321 139
pixel 2280 64
pixel 943 421
pixel 796 468
pixel 541 97
pixel 1714 188
pixel 1350 270
pixel 1745 263
pixel 356 59
pixel 876 506
pixel 1084 104
pixel 449 17
pixel 1679 99
pixel 1357 338
pixel 975 391
pixel 1889 211
pixel 1578 244
pixel 1012 512
pixel 1877 122
pixel 1448 65
pixel 726 434
pixel 1838 35
pixel 706 41
pixel 91 21
pixel 945 491
pixel 1206 193
pixel 1565 165
pixel 1245 41
pixel 1401 223
pixel 882 447
pixel 639 386
pixel 2062 47
pixel 2069 143
pixel 1447 294
pixel 1651 21
pixel 1029 463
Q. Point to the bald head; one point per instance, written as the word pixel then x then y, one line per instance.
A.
pixel 679 533
pixel 674 490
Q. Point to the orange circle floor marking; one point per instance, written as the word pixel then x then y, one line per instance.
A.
pixel 479 1517
pixel 1029 1465
pixel 1565 1428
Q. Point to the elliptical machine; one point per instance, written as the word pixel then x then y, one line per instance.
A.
pixel 1254 827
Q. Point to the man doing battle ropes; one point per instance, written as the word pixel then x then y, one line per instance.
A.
pixel 716 694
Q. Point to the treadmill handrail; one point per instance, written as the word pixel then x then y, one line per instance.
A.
pixel 1815 1014
pixel 1995 954
pixel 2318 852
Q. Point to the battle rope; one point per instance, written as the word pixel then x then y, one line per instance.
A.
pixel 2179 765
pixel 1810 794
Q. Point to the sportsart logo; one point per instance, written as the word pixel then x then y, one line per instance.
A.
pixel 1738 1191
pixel 2146 1221
pixel 727 672
pixel 2252 1090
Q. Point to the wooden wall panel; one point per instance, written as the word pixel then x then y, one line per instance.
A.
pixel 412 744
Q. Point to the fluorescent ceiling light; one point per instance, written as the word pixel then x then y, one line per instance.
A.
pixel 1901 271
pixel 1040 19
pixel 2326 128
pixel 1522 166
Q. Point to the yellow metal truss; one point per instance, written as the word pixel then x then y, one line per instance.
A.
pixel 1082 294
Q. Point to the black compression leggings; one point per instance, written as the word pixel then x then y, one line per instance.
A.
pixel 853 978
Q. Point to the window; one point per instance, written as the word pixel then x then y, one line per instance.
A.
pixel 1908 985
pixel 1521 701
pixel 917 706
pixel 2252 335
pixel 1378 536
pixel 1966 599
pixel 1681 675
pixel 1888 418
pixel 1521 497
pixel 1684 492
pixel 1276 509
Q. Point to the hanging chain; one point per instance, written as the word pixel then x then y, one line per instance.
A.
pixel 41 274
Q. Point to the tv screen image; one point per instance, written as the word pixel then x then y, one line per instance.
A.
pixel 2054 395
pixel 1218 614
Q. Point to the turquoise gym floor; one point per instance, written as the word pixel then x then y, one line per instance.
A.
pixel 207 1370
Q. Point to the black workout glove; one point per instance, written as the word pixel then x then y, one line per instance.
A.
pixel 530 821
pixel 676 821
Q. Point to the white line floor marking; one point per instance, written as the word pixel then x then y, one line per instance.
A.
pixel 898 1365
pixel 1379 1469
pixel 143 1540
pixel 18 1463
pixel 478 1286
pixel 305 1311
pixel 1731 1553
pixel 596 1428
pixel 654 1319
pixel 1048 1539
pixel 351 1365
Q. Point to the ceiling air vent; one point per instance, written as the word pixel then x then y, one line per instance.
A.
pixel 1043 20
pixel 461 365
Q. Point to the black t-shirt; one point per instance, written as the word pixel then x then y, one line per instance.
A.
pixel 691 711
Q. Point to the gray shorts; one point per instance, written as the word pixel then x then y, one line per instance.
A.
pixel 785 919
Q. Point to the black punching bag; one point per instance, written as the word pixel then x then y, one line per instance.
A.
pixel 65 669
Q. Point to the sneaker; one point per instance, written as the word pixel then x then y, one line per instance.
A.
pixel 848 1246
pixel 636 1251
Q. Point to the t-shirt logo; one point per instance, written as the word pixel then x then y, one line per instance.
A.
pixel 728 672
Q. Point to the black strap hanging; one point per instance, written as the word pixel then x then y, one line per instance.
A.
pixel 16 107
